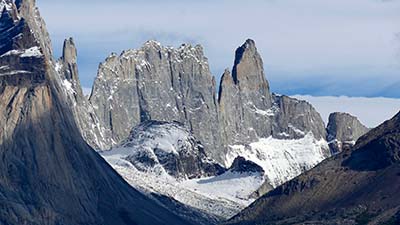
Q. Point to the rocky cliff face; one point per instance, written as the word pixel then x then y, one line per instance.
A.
pixel 244 98
pixel 249 111
pixel 158 83
pixel 168 84
pixel 356 186
pixel 91 128
pixel 295 119
pixel 252 120
pixel 343 131
pixel 241 165
pixel 48 174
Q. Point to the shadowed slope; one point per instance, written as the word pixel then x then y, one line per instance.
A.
pixel 358 186
pixel 48 174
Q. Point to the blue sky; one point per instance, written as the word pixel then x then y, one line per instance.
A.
pixel 341 47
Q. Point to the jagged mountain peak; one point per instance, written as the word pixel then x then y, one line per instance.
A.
pixel 248 65
pixel 69 53
pixel 226 81
pixel 157 83
pixel 155 50
pixel 152 43
pixel 163 83
pixel 249 46
pixel 226 76
pixel 343 131
pixel 67 67
pixel 28 11
pixel 378 149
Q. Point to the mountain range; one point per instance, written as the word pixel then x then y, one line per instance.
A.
pixel 162 85
pixel 155 143
pixel 49 175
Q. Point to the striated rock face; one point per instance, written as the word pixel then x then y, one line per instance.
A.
pixel 244 98
pixel 343 131
pixel 167 84
pixel 92 130
pixel 294 119
pixel 249 111
pixel 158 83
pixel 284 135
pixel 356 186
pixel 160 147
pixel 48 174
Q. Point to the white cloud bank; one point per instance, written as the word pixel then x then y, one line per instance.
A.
pixel 370 111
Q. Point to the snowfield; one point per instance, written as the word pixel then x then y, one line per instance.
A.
pixel 149 160
pixel 282 160
pixel 223 195
pixel 227 194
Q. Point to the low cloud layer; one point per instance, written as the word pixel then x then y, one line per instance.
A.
pixel 298 39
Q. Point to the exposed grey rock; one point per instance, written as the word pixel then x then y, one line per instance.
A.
pixel 155 145
pixel 241 165
pixel 248 110
pixel 295 118
pixel 167 84
pixel 245 99
pixel 357 186
pixel 48 174
pixel 343 131
pixel 158 83
pixel 92 130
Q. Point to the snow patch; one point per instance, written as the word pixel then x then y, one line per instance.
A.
pixel 4 4
pixel 14 72
pixel 58 67
pixel 6 67
pixel 31 52
pixel 138 163
pixel 223 195
pixel 236 187
pixel 296 130
pixel 267 113
pixel 68 86
pixel 164 138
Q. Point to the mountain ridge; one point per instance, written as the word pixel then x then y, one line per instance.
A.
pixel 359 184
pixel 49 175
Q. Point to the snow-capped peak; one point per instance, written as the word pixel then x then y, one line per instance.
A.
pixel 166 148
